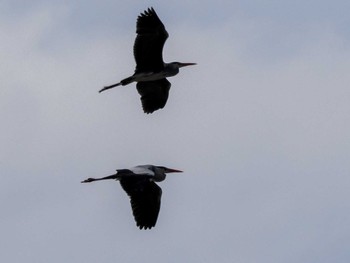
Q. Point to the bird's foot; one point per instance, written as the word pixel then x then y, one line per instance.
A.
pixel 88 180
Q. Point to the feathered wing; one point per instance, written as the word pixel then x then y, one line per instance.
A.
pixel 148 46
pixel 145 196
pixel 154 94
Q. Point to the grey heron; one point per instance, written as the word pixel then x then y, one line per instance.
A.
pixel 139 183
pixel 151 71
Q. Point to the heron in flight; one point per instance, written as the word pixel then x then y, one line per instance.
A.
pixel 151 71
pixel 145 194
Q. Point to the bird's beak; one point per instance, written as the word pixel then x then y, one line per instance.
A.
pixel 168 170
pixel 186 64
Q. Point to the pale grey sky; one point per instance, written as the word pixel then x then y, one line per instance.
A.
pixel 260 126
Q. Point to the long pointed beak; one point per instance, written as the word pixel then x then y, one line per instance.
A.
pixel 168 170
pixel 89 180
pixel 186 64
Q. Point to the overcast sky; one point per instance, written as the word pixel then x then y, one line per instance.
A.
pixel 261 128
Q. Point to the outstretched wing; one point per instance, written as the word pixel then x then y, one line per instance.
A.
pixel 145 198
pixel 154 94
pixel 148 46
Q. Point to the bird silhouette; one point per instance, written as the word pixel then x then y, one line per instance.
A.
pixel 151 71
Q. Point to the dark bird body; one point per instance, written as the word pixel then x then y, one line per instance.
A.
pixel 151 71
pixel 145 194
